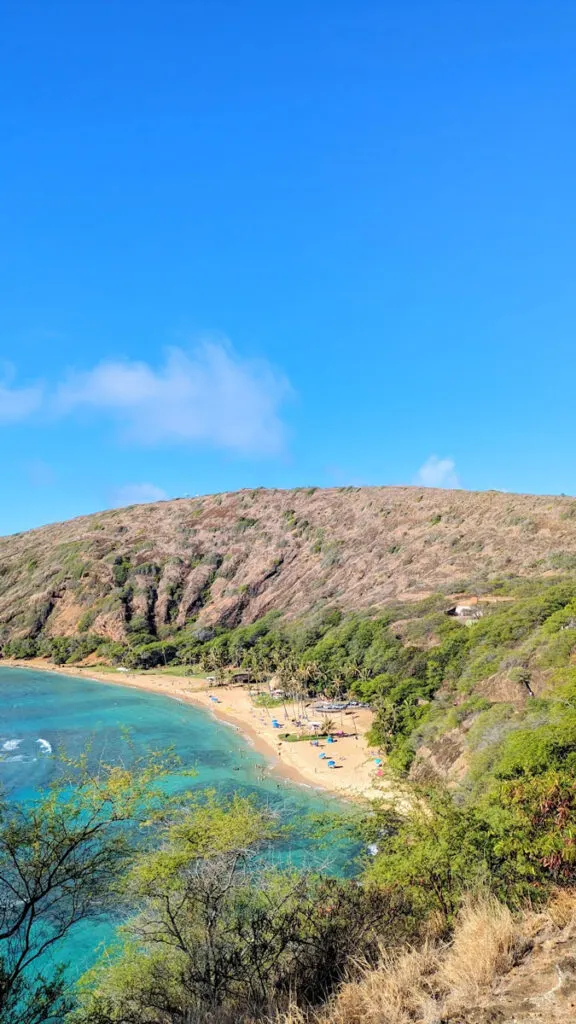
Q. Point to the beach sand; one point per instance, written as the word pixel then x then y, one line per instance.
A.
pixel 355 775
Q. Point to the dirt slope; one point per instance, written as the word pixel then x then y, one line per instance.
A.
pixel 230 558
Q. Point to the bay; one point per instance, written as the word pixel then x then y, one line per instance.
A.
pixel 42 713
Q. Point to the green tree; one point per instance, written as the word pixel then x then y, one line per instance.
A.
pixel 434 853
pixel 218 937
pixel 61 859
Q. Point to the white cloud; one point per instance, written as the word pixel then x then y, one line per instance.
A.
pixel 211 396
pixel 138 494
pixel 17 404
pixel 438 473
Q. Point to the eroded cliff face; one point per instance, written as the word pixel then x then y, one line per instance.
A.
pixel 231 558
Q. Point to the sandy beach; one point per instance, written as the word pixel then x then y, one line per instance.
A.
pixel 355 775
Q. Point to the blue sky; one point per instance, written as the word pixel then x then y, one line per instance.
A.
pixel 278 244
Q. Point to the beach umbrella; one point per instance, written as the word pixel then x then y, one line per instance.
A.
pixel 331 764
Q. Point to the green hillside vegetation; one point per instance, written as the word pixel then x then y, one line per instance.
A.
pixel 424 672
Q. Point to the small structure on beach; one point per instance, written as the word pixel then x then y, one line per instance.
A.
pixel 241 678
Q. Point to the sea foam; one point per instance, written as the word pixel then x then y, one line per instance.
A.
pixel 45 746
pixel 11 744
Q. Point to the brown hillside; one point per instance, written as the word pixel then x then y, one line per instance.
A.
pixel 231 558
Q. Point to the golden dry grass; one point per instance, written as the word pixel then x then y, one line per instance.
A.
pixel 483 948
pixel 399 991
pixel 561 909
pixel 441 981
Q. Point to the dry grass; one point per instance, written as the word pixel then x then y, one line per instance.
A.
pixel 561 909
pixel 485 940
pixel 398 991
pixel 437 981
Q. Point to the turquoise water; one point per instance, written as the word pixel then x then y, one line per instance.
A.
pixel 42 712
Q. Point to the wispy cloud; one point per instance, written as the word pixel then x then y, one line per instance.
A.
pixel 210 396
pixel 138 494
pixel 438 472
pixel 17 404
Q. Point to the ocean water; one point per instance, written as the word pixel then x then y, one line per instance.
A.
pixel 43 712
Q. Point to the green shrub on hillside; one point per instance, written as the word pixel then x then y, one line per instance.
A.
pixel 24 647
pixel 120 570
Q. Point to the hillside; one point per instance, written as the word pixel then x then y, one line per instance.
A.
pixel 229 559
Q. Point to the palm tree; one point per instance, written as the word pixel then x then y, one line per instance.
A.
pixel 336 691
pixel 311 672
pixel 286 675
pixel 299 693
pixel 220 674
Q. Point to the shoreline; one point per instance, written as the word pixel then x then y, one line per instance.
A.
pixel 353 779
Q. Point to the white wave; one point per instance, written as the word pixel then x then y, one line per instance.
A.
pixel 45 746
pixel 11 744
